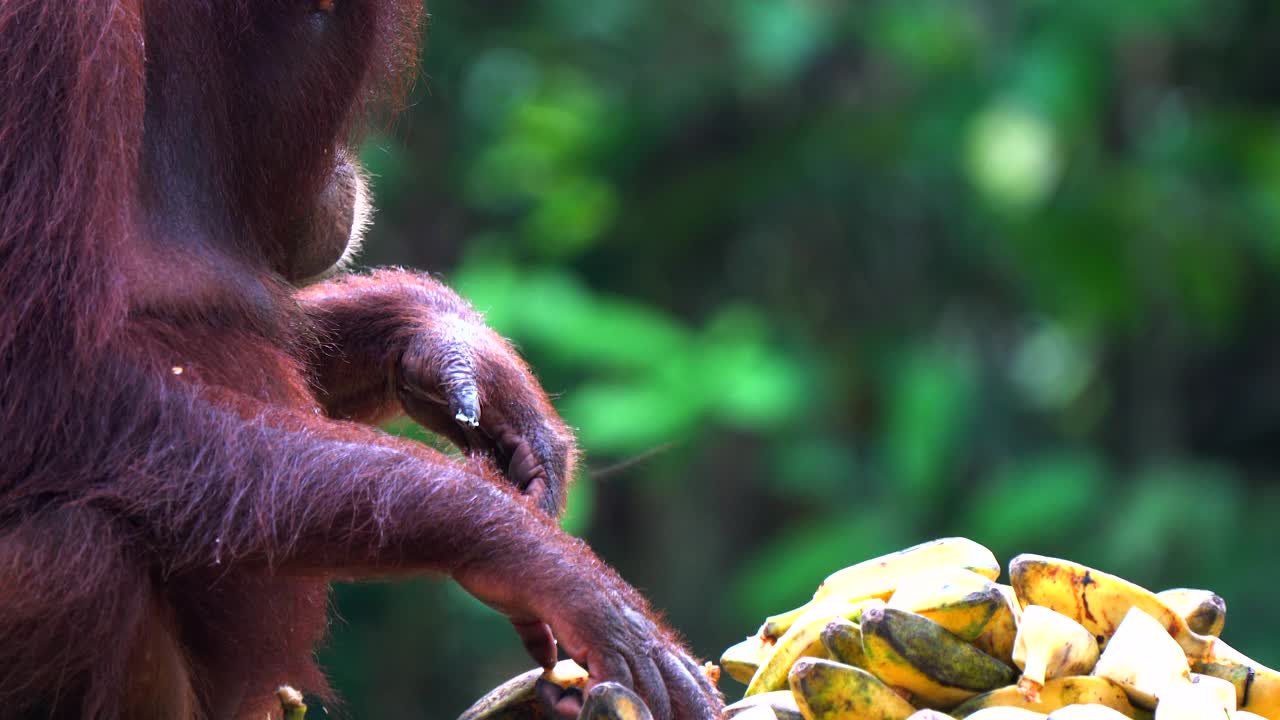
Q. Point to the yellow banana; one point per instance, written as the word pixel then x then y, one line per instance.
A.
pixel 1097 600
pixel 782 702
pixel 1055 694
pixel 939 669
pixel 1086 712
pixel 516 698
pixel 802 639
pixel 1051 645
pixel 613 701
pixel 959 600
pixel 879 577
pixel 1143 659
pixel 742 660
pixel 1245 715
pixel 1012 597
pixel 843 641
pixel 1257 686
pixel 997 638
pixel 1204 611
pixel 828 690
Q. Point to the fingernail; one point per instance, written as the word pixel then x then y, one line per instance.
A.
pixel 466 405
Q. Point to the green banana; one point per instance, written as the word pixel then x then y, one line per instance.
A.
pixel 516 699
pixel 828 690
pixel 613 701
pixel 1204 610
pixel 843 641
pixel 879 577
pixel 939 669
pixel 512 700
pixel 1056 693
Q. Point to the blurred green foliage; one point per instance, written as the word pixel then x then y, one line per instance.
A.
pixel 817 280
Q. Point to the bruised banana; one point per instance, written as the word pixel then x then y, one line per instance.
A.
pixel 1056 693
pixel 1257 686
pixel 913 653
pixel 516 698
pixel 998 637
pixel 1097 600
pixel 802 639
pixel 742 660
pixel 1051 645
pixel 1204 610
pixel 828 690
pixel 843 641
pixel 960 600
pixel 879 577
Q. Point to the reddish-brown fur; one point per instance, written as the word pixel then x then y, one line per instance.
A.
pixel 185 459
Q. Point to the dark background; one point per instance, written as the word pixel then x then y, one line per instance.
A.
pixel 845 275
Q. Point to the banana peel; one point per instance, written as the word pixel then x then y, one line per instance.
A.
pixel 960 600
pixel 1056 693
pixel 913 653
pixel 613 701
pixel 1204 610
pixel 828 690
pixel 517 699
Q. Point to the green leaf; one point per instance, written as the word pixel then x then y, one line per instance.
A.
pixel 1039 500
pixel 929 400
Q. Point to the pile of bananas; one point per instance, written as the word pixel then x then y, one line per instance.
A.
pixel 927 633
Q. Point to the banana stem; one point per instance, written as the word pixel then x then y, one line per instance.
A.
pixel 291 703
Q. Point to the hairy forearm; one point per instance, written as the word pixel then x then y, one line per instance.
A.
pixel 214 485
